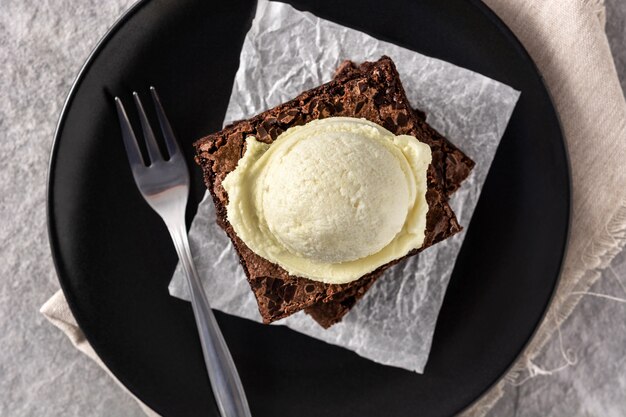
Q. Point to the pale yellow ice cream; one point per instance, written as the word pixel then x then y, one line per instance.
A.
pixel 331 200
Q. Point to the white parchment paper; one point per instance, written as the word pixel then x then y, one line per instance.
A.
pixel 286 52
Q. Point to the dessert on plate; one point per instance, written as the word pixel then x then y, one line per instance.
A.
pixel 321 194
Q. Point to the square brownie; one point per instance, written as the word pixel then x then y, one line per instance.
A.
pixel 374 93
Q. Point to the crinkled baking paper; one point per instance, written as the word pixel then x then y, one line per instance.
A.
pixel 288 51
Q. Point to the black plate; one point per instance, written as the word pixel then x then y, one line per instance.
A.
pixel 114 256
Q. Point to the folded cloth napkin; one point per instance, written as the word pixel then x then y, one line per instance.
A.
pixel 566 39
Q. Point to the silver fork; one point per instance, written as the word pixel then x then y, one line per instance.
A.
pixel 164 184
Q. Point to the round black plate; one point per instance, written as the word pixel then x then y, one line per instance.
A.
pixel 114 256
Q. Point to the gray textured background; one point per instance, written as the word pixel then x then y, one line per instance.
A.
pixel 42 46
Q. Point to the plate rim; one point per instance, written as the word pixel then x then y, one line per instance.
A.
pixel 483 8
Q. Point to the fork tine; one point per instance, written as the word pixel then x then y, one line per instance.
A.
pixel 168 134
pixel 130 141
pixel 148 134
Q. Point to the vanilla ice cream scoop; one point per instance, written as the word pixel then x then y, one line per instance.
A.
pixel 331 200
pixel 335 197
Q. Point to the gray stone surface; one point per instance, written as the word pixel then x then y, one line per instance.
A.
pixel 616 32
pixel 42 46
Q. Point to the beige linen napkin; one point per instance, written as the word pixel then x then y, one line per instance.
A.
pixel 566 39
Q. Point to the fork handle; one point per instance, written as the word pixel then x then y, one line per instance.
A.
pixel 225 382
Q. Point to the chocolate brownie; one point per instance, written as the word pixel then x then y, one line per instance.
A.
pixel 374 93
pixel 457 167
pixel 331 311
